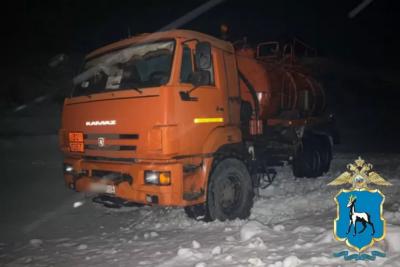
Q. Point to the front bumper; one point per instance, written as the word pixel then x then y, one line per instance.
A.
pixel 129 184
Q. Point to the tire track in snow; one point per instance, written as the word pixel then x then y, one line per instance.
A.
pixel 65 205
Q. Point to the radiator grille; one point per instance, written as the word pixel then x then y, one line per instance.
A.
pixel 110 142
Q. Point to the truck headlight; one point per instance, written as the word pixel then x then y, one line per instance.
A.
pixel 68 168
pixel 157 177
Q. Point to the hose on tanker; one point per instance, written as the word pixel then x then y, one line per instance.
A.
pixel 252 92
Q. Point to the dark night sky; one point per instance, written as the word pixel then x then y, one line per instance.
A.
pixel 68 25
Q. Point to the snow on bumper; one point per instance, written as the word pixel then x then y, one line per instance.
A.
pixel 130 183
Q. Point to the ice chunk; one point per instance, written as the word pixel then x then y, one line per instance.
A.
pixel 279 228
pixel 36 242
pixel 77 204
pixel 216 251
pixel 153 234
pixel 291 261
pixel 257 243
pixel 184 252
pixel 256 262
pixel 250 229
pixel 82 247
pixel 200 264
pixel 195 244
pixel 228 258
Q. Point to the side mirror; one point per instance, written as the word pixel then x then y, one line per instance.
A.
pixel 203 56
pixel 199 78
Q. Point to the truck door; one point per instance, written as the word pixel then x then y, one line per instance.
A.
pixel 232 87
pixel 206 108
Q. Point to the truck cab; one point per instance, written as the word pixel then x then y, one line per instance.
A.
pixel 145 117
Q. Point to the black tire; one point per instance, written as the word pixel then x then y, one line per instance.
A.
pixel 298 163
pixel 230 191
pixel 198 212
pixel 326 154
pixel 307 160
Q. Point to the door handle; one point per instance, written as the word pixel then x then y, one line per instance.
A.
pixel 219 109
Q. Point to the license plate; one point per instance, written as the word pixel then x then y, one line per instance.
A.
pixel 102 188
pixel 76 147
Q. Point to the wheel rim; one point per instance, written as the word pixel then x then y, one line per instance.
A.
pixel 230 194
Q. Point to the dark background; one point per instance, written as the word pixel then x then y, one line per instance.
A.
pixel 70 25
pixel 357 58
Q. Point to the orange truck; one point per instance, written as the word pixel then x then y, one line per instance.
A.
pixel 181 118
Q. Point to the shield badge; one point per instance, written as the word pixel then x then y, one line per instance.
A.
pixel 359 220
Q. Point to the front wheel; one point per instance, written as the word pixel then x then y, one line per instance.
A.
pixel 230 191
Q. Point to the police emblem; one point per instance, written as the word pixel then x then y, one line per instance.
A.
pixel 359 220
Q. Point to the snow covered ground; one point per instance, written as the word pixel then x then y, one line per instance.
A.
pixel 291 222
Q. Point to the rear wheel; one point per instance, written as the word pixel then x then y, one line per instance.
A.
pixel 326 154
pixel 230 191
pixel 308 160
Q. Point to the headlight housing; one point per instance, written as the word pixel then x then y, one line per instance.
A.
pixel 68 168
pixel 157 177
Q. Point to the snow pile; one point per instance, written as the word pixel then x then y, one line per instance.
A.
pixel 250 230
pixel 257 243
pixel 255 262
pixel 291 261
pixel 392 217
pixel 393 238
pixel 36 243
pixel 195 244
pixel 216 250
pixel 291 225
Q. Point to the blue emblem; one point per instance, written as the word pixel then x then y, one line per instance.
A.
pixel 359 219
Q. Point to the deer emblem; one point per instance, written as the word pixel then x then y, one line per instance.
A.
pixel 359 221
pixel 362 217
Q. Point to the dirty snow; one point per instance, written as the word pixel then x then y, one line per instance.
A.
pixel 45 224
pixel 42 223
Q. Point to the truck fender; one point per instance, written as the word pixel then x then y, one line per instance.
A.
pixel 220 137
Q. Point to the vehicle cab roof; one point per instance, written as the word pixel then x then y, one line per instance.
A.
pixel 173 34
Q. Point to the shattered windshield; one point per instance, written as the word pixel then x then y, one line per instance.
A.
pixel 135 67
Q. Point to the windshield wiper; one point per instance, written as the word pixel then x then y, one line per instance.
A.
pixel 137 90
